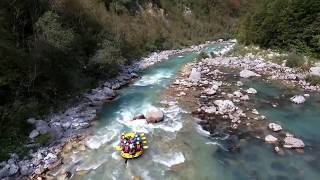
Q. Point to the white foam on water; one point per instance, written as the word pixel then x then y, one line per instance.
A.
pixel 180 56
pixel 217 144
pixel 116 155
pixel 169 159
pixel 91 164
pixel 201 131
pixel 147 80
pixel 96 141
pixel 171 123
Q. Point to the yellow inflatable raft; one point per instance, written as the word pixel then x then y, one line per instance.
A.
pixel 136 154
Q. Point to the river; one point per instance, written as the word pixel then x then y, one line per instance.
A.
pixel 180 149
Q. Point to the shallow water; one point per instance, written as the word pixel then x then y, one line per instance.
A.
pixel 180 149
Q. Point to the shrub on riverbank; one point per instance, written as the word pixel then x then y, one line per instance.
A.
pixel 295 60
pixel 313 79
pixel 202 55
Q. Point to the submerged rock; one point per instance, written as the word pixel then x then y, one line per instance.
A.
pixel 154 115
pixel 270 139
pixel 298 99
pixel 291 142
pixel 247 74
pixel 275 127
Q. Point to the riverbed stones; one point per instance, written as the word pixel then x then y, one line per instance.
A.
pixel 292 142
pixel 247 74
pixel 270 139
pixel 154 115
pixel 275 127
pixel 298 99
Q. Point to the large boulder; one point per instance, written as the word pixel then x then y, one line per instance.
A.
pixel 154 115
pixel 315 70
pixel 298 99
pixel 195 75
pixel 270 139
pixel 247 74
pixel 225 106
pixel 275 127
pixel 291 142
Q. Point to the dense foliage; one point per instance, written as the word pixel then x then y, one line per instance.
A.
pixel 52 50
pixel 286 24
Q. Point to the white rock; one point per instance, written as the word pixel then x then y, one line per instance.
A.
pixel 298 99
pixel 34 134
pixel 13 169
pixel 154 115
pixel 225 106
pixel 254 111
pixel 247 74
pixel 209 91
pixel 277 149
pixel 4 172
pixel 315 71
pixel 239 83
pixel 245 98
pixel 291 142
pixel 270 139
pixel 195 75
pixel 275 127
pixel 181 94
pixel 237 94
pixel 251 91
pixel 31 120
pixel 210 109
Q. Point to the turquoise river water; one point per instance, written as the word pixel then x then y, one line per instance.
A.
pixel 179 149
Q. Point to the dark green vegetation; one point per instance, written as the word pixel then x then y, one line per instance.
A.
pixel 285 24
pixel 53 50
pixel 202 55
pixel 314 80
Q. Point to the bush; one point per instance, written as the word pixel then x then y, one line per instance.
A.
pixel 313 80
pixel 43 139
pixel 295 60
pixel 202 55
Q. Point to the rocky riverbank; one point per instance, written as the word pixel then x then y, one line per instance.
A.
pixel 64 128
pixel 222 105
